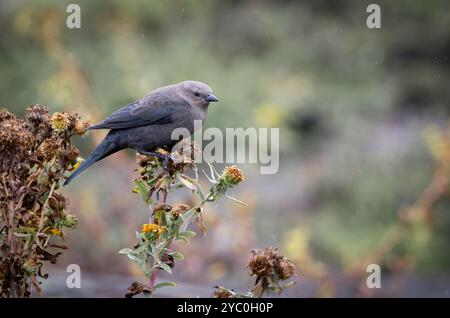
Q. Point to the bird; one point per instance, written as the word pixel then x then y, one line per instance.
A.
pixel 147 124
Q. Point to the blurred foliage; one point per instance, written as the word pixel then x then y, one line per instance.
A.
pixel 352 104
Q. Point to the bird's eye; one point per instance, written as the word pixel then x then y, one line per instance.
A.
pixel 197 94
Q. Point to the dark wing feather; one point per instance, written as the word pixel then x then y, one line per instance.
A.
pixel 154 109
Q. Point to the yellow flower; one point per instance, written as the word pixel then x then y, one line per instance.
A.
pixel 75 166
pixel 60 122
pixel 153 228
pixel 54 231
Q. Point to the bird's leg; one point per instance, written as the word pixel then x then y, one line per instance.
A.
pixel 163 157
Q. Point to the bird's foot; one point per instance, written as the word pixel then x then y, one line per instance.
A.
pixel 163 157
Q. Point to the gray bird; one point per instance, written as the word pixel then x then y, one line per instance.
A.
pixel 147 123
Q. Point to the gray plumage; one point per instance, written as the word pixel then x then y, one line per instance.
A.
pixel 148 123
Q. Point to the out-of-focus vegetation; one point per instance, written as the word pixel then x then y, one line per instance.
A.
pixel 358 111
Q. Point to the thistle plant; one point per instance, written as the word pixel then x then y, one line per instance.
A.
pixel 35 154
pixel 169 222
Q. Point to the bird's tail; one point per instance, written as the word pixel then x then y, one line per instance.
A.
pixel 107 147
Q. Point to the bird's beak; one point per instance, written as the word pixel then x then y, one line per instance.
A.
pixel 211 98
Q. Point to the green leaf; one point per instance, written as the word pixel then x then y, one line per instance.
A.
pixel 125 251
pixel 21 234
pixel 138 237
pixel 184 238
pixel 288 285
pixel 26 230
pixel 176 255
pixel 164 284
pixel 187 218
pixel 143 190
pixel 198 189
pixel 165 267
pixel 187 182
pixel 188 234
pixel 139 249
pixel 161 217
pixel 137 260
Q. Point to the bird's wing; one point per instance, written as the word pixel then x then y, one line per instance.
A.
pixel 155 108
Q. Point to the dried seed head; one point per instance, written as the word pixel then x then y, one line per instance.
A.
pixel 5 114
pixel 14 133
pixel 58 202
pixel 71 154
pixel 284 269
pixel 162 207
pixel 80 127
pixel 60 122
pixel 37 114
pixel 222 293
pixel 179 209
pixel 48 148
pixel 270 263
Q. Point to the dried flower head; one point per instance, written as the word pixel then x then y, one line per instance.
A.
pixel 37 114
pixel 71 154
pixel 5 114
pixel 60 122
pixel 270 269
pixel 285 269
pixel 80 127
pixel 162 207
pixel 271 263
pixel 179 209
pixel 222 293
pixel 14 132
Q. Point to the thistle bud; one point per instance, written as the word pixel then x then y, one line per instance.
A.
pixel 232 176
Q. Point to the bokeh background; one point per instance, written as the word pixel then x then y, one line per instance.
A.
pixel 364 140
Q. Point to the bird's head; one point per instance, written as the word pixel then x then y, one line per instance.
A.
pixel 197 93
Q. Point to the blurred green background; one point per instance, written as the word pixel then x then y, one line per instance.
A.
pixel 356 108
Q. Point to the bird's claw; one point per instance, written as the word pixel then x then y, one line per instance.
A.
pixel 163 157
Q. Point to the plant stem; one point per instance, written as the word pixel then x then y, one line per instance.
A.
pixel 152 280
pixel 41 221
